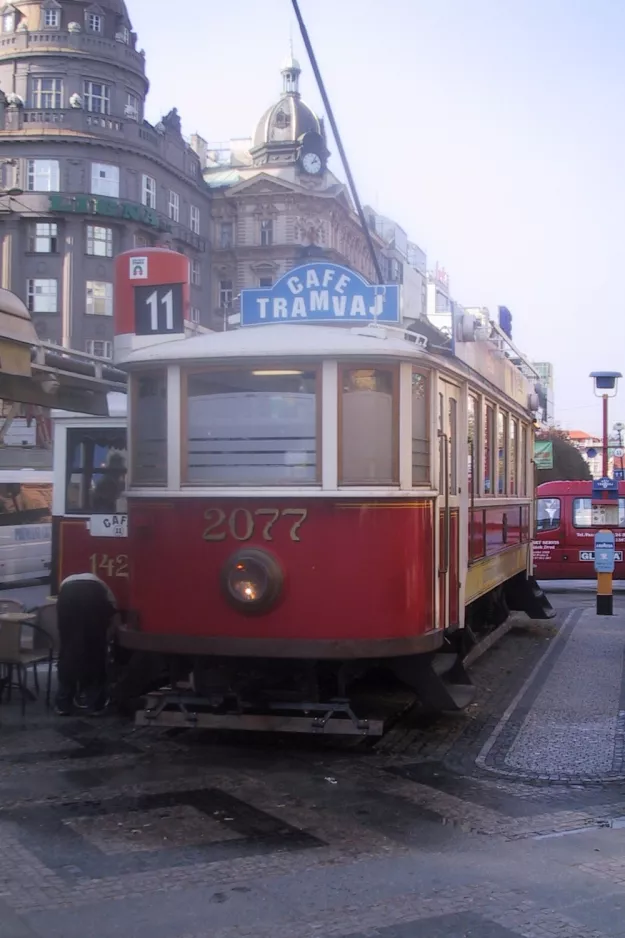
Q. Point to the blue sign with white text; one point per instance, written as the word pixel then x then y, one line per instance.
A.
pixel 320 292
pixel 604 552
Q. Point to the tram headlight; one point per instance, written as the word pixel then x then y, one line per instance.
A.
pixel 251 581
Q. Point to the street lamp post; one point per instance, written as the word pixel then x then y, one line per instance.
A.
pixel 605 386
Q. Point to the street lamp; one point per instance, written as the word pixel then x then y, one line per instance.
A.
pixel 605 386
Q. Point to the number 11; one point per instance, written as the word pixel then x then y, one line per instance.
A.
pixel 168 302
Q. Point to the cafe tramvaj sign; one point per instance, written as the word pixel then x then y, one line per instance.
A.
pixel 320 292
pixel 111 208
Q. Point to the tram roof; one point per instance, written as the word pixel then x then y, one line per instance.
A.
pixel 281 340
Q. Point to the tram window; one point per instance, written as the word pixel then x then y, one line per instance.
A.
pixel 368 452
pixel 502 421
pixel 149 429
pixel 252 427
pixel 25 504
pixel 96 471
pixel 512 456
pixel 489 450
pixel 523 475
pixel 420 429
pixel 585 515
pixel 473 438
pixel 453 446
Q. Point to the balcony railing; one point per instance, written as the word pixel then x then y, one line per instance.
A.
pixel 87 44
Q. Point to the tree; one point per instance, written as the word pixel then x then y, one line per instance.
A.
pixel 568 463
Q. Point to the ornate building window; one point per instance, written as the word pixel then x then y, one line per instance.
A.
pixel 94 22
pixel 194 219
pixel 131 108
pixel 51 18
pixel 99 298
pixel 43 175
pixel 173 206
pixel 46 93
pixel 148 191
pixel 196 274
pixel 266 232
pixel 225 294
pixel 226 234
pixel 105 180
pixel 97 97
pixel 8 22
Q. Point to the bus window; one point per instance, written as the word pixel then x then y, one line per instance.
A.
pixel 547 514
pixel 96 471
pixel 587 516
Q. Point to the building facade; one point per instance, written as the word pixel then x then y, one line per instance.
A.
pixel 545 373
pixel 275 203
pixel 89 176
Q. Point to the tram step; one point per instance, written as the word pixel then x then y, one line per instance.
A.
pixel 523 594
pixel 441 682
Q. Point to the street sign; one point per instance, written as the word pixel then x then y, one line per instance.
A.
pixel 591 452
pixel 619 452
pixel 604 552
pixel 619 475
pixel 605 484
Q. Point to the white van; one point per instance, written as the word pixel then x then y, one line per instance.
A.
pixel 25 525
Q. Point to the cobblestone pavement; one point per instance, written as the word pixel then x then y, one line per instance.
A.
pixel 505 821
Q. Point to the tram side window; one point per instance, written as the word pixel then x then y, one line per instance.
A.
pixel 547 514
pixel 489 449
pixel 420 429
pixel 512 456
pixel 502 422
pixel 149 429
pixel 252 427
pixel 368 418
pixel 25 504
pixel 96 471
pixel 523 472
pixel 473 439
pixel 587 516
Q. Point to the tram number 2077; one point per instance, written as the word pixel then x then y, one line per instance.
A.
pixel 242 524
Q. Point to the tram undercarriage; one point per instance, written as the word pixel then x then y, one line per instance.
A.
pixel 359 697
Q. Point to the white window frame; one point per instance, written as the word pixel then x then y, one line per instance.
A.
pixel 53 14
pixel 196 272
pixel 132 107
pixel 91 241
pixel 226 243
pixel 267 233
pixel 148 191
pixel 226 294
pixel 108 184
pixel 94 22
pixel 8 22
pixel 194 219
pixel 195 314
pixel 37 237
pixel 102 98
pixel 105 295
pixel 107 348
pixel 173 205
pixel 46 293
pixel 47 99
pixel 36 173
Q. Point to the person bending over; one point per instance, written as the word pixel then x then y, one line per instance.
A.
pixel 85 611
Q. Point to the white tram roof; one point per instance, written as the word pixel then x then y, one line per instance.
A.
pixel 281 340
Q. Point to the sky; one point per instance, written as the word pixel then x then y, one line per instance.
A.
pixel 492 131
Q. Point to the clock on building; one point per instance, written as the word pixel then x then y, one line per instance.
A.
pixel 312 163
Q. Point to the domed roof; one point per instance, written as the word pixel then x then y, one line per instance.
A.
pixel 290 117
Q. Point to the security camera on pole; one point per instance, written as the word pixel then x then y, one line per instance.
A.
pixel 605 501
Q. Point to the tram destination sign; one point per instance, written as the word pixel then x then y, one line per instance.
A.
pixel 320 292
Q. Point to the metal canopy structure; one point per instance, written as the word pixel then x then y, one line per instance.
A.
pixel 47 375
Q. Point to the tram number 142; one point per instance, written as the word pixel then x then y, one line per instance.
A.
pixel 105 565
pixel 242 524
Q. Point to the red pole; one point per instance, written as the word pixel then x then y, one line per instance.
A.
pixel 605 436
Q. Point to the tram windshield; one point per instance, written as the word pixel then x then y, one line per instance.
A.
pixel 252 427
pixel 96 471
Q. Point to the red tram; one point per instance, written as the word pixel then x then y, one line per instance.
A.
pixel 567 520
pixel 308 503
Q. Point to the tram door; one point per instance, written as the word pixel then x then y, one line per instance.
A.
pixel 448 404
